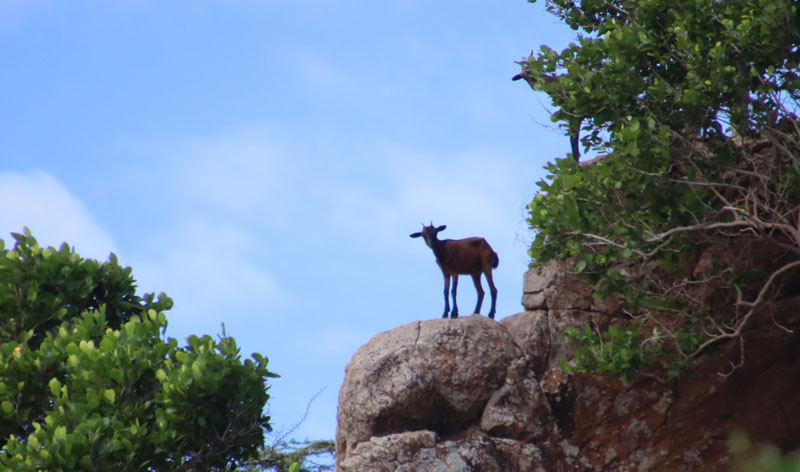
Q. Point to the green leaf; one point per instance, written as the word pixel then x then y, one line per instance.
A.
pixel 32 293
pixel 55 386
pixel 7 406
pixel 60 433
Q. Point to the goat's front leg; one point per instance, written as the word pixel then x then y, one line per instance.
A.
pixel 446 300
pixel 454 313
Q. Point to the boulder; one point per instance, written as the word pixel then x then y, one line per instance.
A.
pixel 427 375
pixel 530 330
pixel 419 451
pixel 552 287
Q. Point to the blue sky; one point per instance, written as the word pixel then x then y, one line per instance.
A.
pixel 263 162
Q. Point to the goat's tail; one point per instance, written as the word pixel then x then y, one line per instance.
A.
pixel 496 260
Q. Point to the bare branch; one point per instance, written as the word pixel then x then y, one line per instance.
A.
pixel 753 307
pixel 737 365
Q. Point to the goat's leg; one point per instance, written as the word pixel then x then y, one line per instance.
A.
pixel 454 313
pixel 492 291
pixel 476 279
pixel 446 300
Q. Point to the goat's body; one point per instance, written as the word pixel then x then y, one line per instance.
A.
pixel 456 256
pixel 470 256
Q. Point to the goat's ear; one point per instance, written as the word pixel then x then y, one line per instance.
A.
pixel 441 228
pixel 415 235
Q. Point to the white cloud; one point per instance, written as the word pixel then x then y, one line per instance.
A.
pixel 211 270
pixel 223 195
pixel 53 214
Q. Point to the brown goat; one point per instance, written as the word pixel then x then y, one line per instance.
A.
pixel 471 256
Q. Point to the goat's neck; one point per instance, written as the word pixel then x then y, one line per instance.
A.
pixel 438 249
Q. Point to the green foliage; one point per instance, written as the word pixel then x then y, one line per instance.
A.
pixel 672 95
pixel 749 457
pixel 617 351
pixel 87 380
pixel 639 63
pixel 42 287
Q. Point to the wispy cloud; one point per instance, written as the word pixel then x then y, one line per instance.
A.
pixel 54 215
pixel 211 269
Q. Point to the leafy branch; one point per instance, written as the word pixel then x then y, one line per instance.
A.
pixel 691 216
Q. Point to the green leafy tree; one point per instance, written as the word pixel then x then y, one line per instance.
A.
pixel 89 381
pixel 691 107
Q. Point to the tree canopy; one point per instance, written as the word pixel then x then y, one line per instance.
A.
pixel 691 107
pixel 89 381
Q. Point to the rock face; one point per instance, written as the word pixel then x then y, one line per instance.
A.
pixel 471 394
pixel 432 375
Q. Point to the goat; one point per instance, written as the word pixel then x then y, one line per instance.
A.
pixel 471 256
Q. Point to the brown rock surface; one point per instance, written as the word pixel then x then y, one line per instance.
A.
pixel 471 394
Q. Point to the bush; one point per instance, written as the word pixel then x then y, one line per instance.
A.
pixel 89 381
pixel 690 214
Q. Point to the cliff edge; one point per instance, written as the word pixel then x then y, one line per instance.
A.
pixel 472 394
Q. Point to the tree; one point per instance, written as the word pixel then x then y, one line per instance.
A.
pixel 89 381
pixel 691 213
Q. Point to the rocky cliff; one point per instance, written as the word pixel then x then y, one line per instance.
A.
pixel 472 394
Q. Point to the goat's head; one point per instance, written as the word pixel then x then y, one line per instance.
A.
pixel 429 233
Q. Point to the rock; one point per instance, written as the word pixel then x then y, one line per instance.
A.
pixel 472 394
pixel 572 294
pixel 428 375
pixel 552 287
pixel 530 330
pixel 387 452
pixel 538 279
pixel 420 451
pixel 534 301
pixel 518 409
pixel 535 282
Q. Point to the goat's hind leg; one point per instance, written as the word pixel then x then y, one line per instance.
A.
pixel 492 292
pixel 454 313
pixel 476 279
